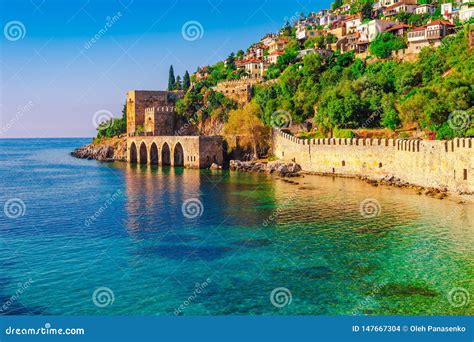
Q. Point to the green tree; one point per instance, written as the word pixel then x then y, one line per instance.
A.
pixel 384 44
pixel 245 124
pixel 178 85
pixel 186 81
pixel 171 79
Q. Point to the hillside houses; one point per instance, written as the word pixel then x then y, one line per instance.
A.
pixel 341 29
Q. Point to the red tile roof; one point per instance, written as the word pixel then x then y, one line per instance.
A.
pixel 420 28
pixel 276 53
pixel 397 27
pixel 440 22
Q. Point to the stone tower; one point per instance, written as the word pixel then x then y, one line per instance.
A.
pixel 139 100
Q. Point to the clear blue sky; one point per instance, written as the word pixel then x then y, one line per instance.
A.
pixel 51 84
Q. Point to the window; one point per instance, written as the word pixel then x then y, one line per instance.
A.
pixel 465 174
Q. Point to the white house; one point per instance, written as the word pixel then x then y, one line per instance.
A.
pixel 467 10
pixel 425 9
pixel 376 26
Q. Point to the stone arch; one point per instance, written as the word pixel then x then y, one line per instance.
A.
pixel 165 154
pixel 133 153
pixel 153 154
pixel 143 153
pixel 178 155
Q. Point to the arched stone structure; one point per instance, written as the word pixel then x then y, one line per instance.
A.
pixel 133 153
pixel 143 153
pixel 154 154
pixel 165 154
pixel 178 155
pixel 187 151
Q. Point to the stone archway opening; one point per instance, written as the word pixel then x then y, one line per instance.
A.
pixel 154 154
pixel 143 154
pixel 165 155
pixel 133 153
pixel 178 157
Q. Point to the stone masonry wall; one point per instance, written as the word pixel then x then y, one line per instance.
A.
pixel 437 164
pixel 198 151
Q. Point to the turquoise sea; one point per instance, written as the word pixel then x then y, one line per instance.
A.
pixel 80 237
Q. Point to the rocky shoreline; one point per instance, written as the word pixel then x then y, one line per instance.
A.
pixel 108 150
pixel 280 168
pixel 284 170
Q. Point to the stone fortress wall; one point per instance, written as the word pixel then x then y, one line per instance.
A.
pixel 437 164
pixel 237 90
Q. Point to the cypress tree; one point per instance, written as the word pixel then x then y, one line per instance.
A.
pixel 171 79
pixel 186 81
pixel 178 83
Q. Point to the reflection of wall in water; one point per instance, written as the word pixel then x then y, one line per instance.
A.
pixel 155 196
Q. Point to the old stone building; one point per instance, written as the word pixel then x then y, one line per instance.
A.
pixel 157 135
pixel 139 100
pixel 237 90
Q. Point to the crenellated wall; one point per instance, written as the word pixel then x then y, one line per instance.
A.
pixel 440 164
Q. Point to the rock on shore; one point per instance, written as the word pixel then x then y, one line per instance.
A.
pixel 113 149
pixel 283 169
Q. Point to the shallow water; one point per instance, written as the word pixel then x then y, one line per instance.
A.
pixel 253 233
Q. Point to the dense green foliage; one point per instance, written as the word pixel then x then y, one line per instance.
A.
pixel 201 102
pixel 113 127
pixel 384 44
pixel 343 92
